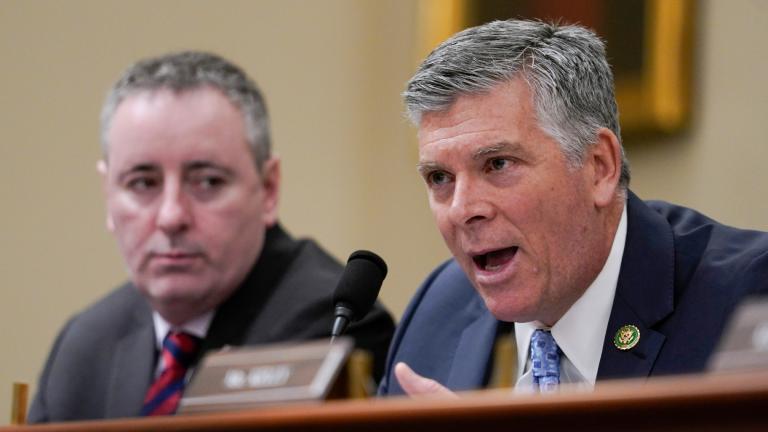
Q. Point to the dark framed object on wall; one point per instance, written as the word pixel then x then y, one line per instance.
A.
pixel 648 44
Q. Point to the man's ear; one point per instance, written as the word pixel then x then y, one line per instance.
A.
pixel 270 180
pixel 604 158
pixel 101 167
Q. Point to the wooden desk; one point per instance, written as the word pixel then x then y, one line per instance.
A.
pixel 700 403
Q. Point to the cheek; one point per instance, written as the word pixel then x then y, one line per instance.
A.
pixel 440 214
pixel 565 227
pixel 231 228
pixel 132 226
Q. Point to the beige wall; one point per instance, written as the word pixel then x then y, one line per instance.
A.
pixel 719 166
pixel 332 72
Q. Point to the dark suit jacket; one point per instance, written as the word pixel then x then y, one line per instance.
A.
pixel 103 361
pixel 681 276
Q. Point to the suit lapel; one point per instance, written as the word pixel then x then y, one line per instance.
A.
pixel 636 362
pixel 132 370
pixel 474 350
pixel 233 323
pixel 644 293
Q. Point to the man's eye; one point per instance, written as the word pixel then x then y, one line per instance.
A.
pixel 141 184
pixel 438 178
pixel 498 164
pixel 209 182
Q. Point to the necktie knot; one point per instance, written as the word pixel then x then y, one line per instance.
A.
pixel 179 349
pixel 545 361
pixel 179 352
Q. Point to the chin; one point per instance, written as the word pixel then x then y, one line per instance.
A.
pixel 509 310
pixel 177 290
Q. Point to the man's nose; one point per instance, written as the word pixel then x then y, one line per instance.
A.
pixel 174 215
pixel 470 202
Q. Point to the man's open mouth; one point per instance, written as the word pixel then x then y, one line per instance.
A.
pixel 494 260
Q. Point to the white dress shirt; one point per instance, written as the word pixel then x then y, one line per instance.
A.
pixel 196 327
pixel 581 331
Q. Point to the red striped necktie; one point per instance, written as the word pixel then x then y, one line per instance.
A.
pixel 179 351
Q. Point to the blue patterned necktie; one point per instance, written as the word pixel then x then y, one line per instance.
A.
pixel 179 350
pixel 545 361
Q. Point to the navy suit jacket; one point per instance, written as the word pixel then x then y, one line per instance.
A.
pixel 681 276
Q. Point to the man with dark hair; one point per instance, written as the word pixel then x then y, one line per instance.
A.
pixel 520 149
pixel 191 188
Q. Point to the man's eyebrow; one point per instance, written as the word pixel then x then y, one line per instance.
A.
pixel 425 167
pixel 138 168
pixel 206 164
pixel 502 147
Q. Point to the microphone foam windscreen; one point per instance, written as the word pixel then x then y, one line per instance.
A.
pixel 360 283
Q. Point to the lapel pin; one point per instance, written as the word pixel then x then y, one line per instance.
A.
pixel 626 337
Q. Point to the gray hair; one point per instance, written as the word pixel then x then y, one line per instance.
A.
pixel 186 71
pixel 564 65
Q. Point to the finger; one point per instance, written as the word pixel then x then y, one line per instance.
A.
pixel 416 385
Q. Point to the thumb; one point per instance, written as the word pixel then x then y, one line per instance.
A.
pixel 416 385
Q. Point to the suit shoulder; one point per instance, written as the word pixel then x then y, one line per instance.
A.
pixel 308 278
pixel 447 292
pixel 693 228
pixel 447 284
pixel 110 315
pixel 298 303
pixel 721 252
pixel 313 262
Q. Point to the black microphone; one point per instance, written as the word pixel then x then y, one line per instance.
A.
pixel 357 290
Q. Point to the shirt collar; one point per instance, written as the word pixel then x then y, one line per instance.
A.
pixel 196 327
pixel 581 331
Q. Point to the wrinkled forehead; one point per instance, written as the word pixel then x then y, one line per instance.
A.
pixel 507 105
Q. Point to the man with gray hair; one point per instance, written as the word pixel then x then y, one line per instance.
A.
pixel 520 149
pixel 191 188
